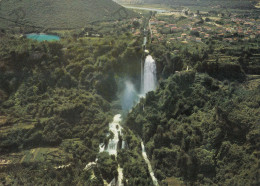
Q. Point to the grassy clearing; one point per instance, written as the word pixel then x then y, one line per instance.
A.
pixel 42 155
pixel 173 181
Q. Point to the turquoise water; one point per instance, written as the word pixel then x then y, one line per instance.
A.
pixel 43 37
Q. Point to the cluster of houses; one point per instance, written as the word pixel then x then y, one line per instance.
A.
pixel 136 31
pixel 249 28
pixel 179 32
pixel 234 29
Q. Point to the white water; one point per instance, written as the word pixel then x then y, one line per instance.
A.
pixel 148 83
pixel 116 129
pixel 120 175
pixel 142 76
pixel 149 75
pixel 90 165
pixel 123 144
pixel 62 166
pixel 101 147
pixel 155 182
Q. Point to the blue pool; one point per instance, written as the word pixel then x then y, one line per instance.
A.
pixel 43 37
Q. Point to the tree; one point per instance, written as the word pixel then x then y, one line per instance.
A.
pixel 207 19
pixel 136 24
pixel 194 33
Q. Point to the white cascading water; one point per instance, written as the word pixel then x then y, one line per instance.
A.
pixel 116 129
pixel 142 77
pixel 155 182
pixel 149 77
pixel 148 83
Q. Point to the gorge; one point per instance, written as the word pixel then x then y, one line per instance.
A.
pixel 130 97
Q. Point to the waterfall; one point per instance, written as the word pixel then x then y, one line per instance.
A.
pixel 120 176
pixel 123 144
pixel 116 129
pixel 155 181
pixel 149 82
pixel 128 97
pixel 142 77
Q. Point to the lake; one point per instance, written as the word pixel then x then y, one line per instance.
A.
pixel 43 37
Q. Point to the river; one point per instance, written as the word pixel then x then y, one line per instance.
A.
pixel 148 9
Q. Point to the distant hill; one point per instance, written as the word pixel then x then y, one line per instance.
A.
pixel 59 13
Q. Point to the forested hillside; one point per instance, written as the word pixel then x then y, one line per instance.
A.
pixel 59 14
pixel 200 129
pixel 55 105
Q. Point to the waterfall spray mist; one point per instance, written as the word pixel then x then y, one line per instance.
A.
pixel 129 96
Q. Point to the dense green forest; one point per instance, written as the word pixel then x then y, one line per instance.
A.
pixel 201 129
pixel 202 125
pixel 55 108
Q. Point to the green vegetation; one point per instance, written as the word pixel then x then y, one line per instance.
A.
pixel 207 46
pixel 130 159
pixel 200 127
pixel 201 130
pixel 55 106
pixel 59 14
